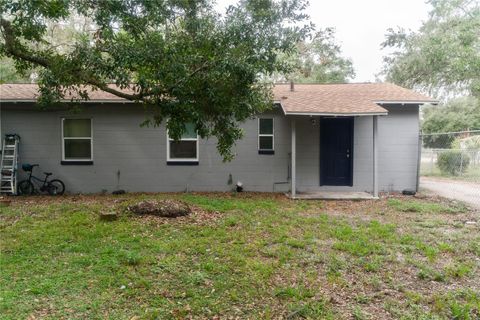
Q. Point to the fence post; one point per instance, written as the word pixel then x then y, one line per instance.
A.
pixel 431 162
pixel 461 162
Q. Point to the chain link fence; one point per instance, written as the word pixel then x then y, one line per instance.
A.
pixel 450 165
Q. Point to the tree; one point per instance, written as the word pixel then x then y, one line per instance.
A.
pixel 319 61
pixel 459 114
pixel 180 59
pixel 443 57
pixel 8 73
pixel 60 35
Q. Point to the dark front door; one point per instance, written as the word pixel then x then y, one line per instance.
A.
pixel 336 151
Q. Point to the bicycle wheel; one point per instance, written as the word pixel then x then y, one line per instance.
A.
pixel 25 188
pixel 56 187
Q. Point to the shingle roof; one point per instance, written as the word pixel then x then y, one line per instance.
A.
pixel 321 99
pixel 350 98
pixel 29 92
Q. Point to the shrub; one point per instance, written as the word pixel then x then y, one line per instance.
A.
pixel 453 162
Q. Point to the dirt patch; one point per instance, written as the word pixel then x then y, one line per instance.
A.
pixel 198 217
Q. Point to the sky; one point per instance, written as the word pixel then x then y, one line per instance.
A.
pixel 361 26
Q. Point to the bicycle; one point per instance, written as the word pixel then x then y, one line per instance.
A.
pixel 26 187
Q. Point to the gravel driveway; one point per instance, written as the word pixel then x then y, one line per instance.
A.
pixel 468 192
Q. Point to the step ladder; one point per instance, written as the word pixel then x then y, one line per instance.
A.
pixel 9 164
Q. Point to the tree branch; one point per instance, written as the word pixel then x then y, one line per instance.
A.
pixel 11 47
pixel 15 49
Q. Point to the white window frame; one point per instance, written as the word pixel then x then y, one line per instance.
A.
pixel 77 138
pixel 182 159
pixel 266 135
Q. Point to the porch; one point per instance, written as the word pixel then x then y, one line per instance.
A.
pixel 313 173
pixel 334 157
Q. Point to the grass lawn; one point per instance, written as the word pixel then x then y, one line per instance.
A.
pixel 245 256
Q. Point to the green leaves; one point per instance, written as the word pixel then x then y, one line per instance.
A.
pixel 444 55
pixel 459 114
pixel 320 60
pixel 178 58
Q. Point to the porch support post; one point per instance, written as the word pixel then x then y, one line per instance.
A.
pixel 375 156
pixel 294 164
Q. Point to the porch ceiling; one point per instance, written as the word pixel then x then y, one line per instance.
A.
pixel 344 99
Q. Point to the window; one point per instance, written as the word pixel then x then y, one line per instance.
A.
pixel 77 140
pixel 265 136
pixel 186 149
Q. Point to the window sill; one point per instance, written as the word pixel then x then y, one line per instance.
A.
pixel 182 163
pixel 76 163
pixel 266 152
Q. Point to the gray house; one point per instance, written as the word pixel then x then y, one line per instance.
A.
pixel 318 138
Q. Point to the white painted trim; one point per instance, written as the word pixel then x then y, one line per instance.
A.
pixel 78 138
pixel 351 114
pixel 182 159
pixel 406 101
pixel 275 101
pixel 266 135
pixel 281 106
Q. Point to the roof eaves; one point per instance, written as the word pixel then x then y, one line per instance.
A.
pixel 17 100
pixel 334 114
pixel 68 101
pixel 406 101
pixel 281 106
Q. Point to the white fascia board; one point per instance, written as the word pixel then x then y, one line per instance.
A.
pixel 406 102
pixel 281 106
pixel 350 114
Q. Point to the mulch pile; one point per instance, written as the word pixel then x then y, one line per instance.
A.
pixel 161 208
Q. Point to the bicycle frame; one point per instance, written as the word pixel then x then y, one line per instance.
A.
pixel 36 181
